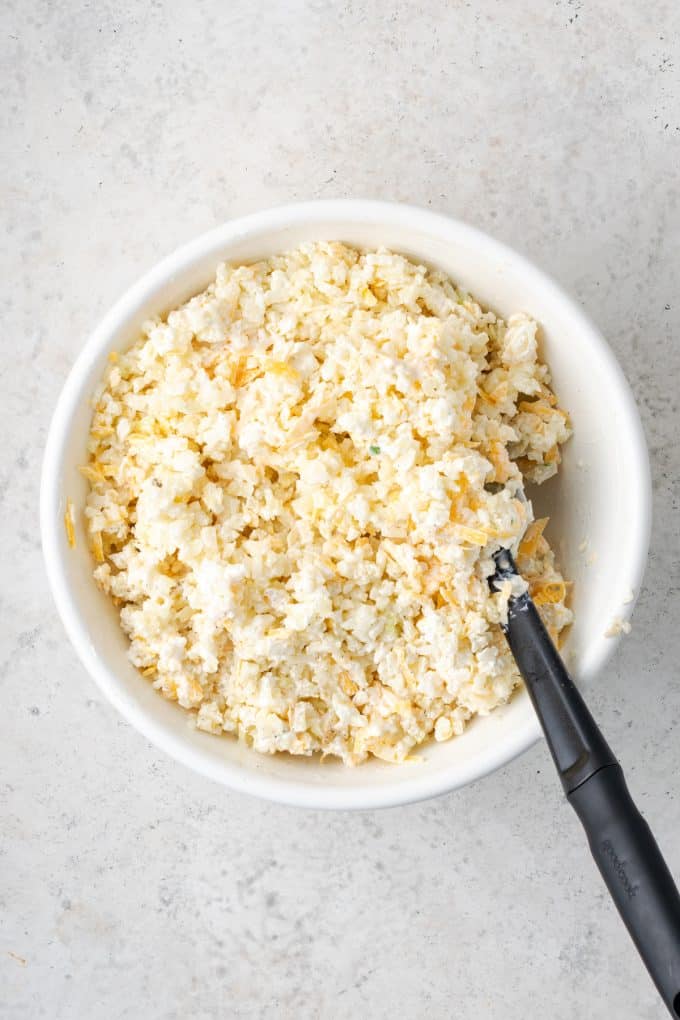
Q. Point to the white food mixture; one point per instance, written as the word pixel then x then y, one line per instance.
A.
pixel 297 481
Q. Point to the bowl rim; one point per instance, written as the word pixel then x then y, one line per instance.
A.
pixel 399 215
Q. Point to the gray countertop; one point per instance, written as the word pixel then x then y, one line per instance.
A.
pixel 131 888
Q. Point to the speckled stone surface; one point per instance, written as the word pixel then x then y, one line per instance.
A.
pixel 130 888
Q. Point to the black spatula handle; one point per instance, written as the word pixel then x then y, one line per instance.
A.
pixel 622 844
pixel 636 874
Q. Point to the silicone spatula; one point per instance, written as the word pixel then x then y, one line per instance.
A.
pixel 620 839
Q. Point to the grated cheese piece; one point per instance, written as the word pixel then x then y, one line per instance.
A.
pixel 532 536
pixel 548 592
pixel 69 525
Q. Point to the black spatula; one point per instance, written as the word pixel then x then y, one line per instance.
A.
pixel 621 842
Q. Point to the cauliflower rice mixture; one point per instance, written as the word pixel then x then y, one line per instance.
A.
pixel 297 482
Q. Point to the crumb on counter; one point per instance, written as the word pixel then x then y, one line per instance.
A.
pixel 297 481
pixel 617 627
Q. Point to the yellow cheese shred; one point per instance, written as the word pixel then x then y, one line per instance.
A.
pixel 475 536
pixel 532 535
pixel 68 524
pixel 548 592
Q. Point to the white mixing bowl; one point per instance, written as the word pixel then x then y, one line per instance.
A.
pixel 602 495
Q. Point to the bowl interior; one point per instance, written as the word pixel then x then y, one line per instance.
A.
pixel 599 497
